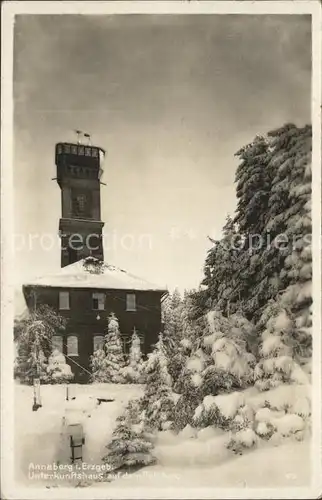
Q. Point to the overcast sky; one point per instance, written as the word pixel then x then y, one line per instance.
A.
pixel 171 99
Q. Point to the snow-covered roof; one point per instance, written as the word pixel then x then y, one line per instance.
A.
pixel 81 275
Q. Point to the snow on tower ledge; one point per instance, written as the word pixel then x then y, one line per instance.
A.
pixel 91 273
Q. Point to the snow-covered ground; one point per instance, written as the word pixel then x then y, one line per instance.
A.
pixel 189 460
pixel 40 436
pixel 284 466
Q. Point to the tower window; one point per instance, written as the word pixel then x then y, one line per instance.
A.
pixel 98 342
pixel 87 151
pixel 59 149
pixel 81 204
pixel 64 300
pixel 130 302
pixel 81 150
pixel 72 345
pixel 67 148
pixel 95 153
pixel 98 301
pixel 74 150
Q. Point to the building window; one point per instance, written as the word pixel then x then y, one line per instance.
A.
pixel 87 151
pixel 64 300
pixel 59 149
pixel 57 343
pixel 81 150
pixel 72 345
pixel 95 152
pixel 98 342
pixel 74 150
pixel 130 302
pixel 67 148
pixel 98 301
pixel 126 340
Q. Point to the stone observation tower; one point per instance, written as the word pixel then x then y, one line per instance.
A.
pixel 79 173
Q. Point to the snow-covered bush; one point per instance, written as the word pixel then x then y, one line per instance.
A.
pixel 241 440
pixel 218 411
pixel 58 370
pixel 229 412
pixel 282 412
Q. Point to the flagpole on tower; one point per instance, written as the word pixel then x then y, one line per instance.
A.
pixel 78 133
pixel 88 137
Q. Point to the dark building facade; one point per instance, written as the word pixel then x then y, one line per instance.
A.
pixel 86 290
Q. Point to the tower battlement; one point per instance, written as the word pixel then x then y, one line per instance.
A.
pixel 78 160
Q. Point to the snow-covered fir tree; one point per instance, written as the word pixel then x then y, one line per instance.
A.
pixel 253 184
pixel 30 364
pixel 34 337
pixel 177 361
pixel 130 446
pixel 272 192
pixel 286 321
pixel 114 360
pixel 171 318
pixel 178 332
pixel 188 386
pixel 290 150
pixel 134 371
pixel 98 367
pixel 281 354
pixel 157 402
pixel 221 272
pixel 58 370
pixel 176 298
pixel 297 273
